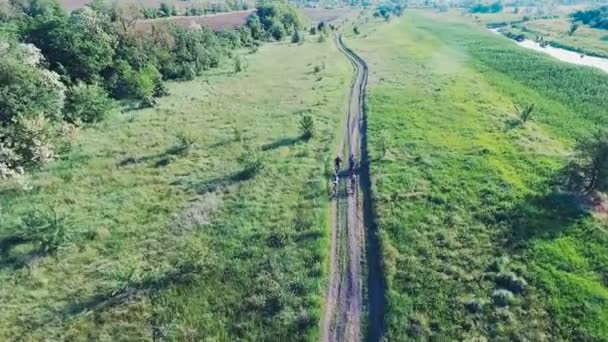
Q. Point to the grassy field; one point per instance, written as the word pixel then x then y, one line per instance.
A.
pixel 477 240
pixel 172 237
pixel 553 26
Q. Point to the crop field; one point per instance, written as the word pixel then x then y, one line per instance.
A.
pixel 172 238
pixel 477 241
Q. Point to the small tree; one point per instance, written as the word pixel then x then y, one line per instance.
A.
pixel 356 30
pixel 573 28
pixel 313 31
pixel 238 65
pixel 296 37
pixel 525 112
pixel 47 228
pixel 588 172
pixel 382 144
pixel 87 103
pixel 307 126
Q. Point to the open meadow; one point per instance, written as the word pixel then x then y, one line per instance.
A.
pixel 205 217
pixel 477 239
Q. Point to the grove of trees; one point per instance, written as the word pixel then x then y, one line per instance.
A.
pixel 61 69
pixel 597 17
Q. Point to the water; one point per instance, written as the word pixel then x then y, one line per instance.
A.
pixel 564 55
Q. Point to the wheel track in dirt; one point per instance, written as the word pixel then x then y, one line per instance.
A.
pixel 345 305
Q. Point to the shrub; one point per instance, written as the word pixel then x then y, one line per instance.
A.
pixel 277 31
pixel 252 163
pixel 524 112
pixel 313 31
pixel 27 143
pixel 87 103
pixel 317 69
pixel 474 305
pixel 503 297
pixel 47 228
pixel 238 65
pixel 297 37
pixel 588 172
pixel 511 282
pixel 307 127
pixel 321 38
pixel 185 142
pixel 356 30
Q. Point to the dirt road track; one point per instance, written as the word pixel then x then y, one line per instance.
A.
pixel 345 307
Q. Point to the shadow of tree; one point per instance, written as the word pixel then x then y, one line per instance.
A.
pixel 103 301
pixel 282 143
pixel 162 159
pixel 542 216
pixel 19 260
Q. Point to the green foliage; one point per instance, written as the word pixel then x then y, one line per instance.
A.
pixel 588 172
pixel 297 37
pixel 573 28
pixel 356 30
pixel 27 143
pixel 322 38
pixel 87 103
pixel 238 65
pixel 597 17
pixel 278 18
pixel 525 112
pixel 494 7
pixel 503 297
pixel 307 126
pixel 26 88
pixel 47 228
pixel 78 46
pixel 312 31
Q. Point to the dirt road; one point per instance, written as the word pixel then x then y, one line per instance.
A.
pixel 345 306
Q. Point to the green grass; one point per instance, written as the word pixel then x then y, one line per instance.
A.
pixel 182 244
pixel 464 185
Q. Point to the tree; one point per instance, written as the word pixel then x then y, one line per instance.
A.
pixel 26 88
pixel 297 37
pixel 277 31
pixel 573 29
pixel 79 46
pixel 87 103
pixel 588 171
pixel 307 126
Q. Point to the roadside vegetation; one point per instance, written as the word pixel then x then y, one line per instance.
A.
pixel 482 234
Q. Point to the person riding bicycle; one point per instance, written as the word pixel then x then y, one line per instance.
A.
pixel 337 163
pixel 351 163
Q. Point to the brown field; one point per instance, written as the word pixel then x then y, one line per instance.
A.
pixel 216 22
pixel 75 4
pixel 224 21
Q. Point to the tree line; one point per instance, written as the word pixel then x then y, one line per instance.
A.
pixel 597 17
pixel 60 70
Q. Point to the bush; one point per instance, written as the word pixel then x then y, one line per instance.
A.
pixel 307 127
pixel 252 163
pixel 524 112
pixel 87 103
pixel 185 142
pixel 356 30
pixel 26 88
pixel 322 38
pixel 511 282
pixel 238 65
pixel 313 31
pixel 297 37
pixel 588 172
pixel 25 144
pixel 47 228
pixel 503 297
pixel 277 32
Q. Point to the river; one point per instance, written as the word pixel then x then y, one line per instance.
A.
pixel 563 54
